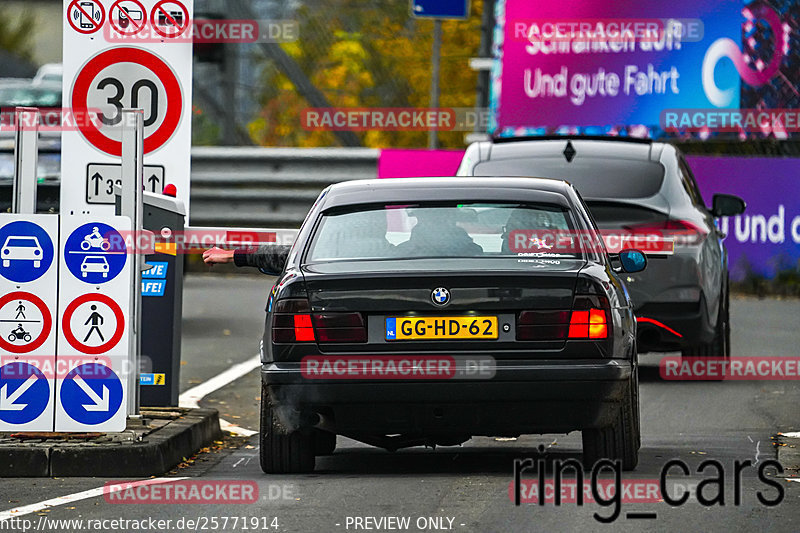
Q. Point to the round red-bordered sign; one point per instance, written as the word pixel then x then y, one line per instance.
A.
pixel 158 8
pixel 47 322
pixel 134 28
pixel 66 326
pixel 82 85
pixel 82 13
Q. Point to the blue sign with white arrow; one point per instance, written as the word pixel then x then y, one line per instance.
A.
pixel 26 251
pixel 24 393
pixel 91 394
pixel 95 253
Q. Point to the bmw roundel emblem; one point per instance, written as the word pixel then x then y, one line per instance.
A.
pixel 440 296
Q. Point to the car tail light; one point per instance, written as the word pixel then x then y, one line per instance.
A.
pixel 542 325
pixel 590 318
pixel 340 327
pixel 293 322
pixel 681 231
pixel 589 324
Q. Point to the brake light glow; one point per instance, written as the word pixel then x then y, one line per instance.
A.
pixel 293 322
pixel 589 324
pixel 681 231
pixel 303 330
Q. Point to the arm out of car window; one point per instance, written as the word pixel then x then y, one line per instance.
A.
pixel 268 258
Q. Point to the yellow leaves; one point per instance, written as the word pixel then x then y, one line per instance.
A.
pixel 368 55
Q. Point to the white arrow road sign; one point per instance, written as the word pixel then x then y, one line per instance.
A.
pixel 100 404
pixel 26 392
pixel 7 403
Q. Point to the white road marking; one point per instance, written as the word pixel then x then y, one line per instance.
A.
pixel 188 399
pixel 191 398
pixel 92 493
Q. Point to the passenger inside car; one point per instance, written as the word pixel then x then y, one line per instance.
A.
pixel 437 234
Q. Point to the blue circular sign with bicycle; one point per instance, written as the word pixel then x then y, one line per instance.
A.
pixel 95 253
pixel 26 251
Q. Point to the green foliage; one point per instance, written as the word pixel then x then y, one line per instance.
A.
pixel 205 130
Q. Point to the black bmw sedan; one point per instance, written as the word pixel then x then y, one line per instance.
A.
pixel 426 311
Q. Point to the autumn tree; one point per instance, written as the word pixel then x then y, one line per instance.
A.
pixel 368 55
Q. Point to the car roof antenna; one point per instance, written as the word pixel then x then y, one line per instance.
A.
pixel 569 152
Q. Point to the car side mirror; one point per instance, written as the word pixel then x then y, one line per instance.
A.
pixel 727 205
pixel 632 261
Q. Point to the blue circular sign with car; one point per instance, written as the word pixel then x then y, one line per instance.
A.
pixel 95 253
pixel 26 251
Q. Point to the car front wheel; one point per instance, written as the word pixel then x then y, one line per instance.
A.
pixel 283 451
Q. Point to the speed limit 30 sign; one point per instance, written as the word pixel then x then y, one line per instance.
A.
pixel 102 78
pixel 128 77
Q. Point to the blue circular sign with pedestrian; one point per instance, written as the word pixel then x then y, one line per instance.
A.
pixel 24 393
pixel 91 394
pixel 26 251
pixel 95 253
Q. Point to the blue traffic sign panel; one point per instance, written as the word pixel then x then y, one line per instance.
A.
pixel 24 393
pixel 91 394
pixel 444 9
pixel 26 251
pixel 95 253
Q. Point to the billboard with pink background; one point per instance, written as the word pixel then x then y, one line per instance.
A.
pixel 599 64
pixel 765 239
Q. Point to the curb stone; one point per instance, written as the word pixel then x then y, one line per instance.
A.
pixel 156 453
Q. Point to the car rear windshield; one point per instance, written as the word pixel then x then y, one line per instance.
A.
pixel 594 178
pixel 470 230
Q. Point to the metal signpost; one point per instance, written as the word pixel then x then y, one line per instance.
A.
pixel 438 10
pixel 28 282
pixel 26 157
pixel 133 208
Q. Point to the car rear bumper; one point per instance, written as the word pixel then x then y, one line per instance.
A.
pixel 672 326
pixel 523 397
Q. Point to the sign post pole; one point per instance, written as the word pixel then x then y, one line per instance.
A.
pixel 433 139
pixel 132 206
pixel 26 155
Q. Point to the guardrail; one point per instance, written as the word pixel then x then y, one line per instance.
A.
pixel 268 187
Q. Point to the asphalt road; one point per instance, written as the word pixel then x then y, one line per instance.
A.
pixel 467 488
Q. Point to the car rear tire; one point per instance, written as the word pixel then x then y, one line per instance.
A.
pixel 720 346
pixel 620 441
pixel 324 442
pixel 282 451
